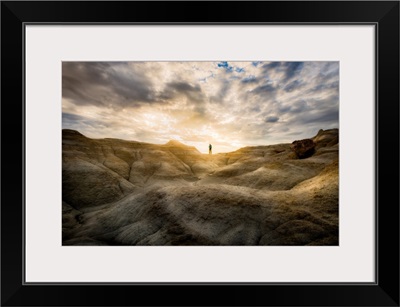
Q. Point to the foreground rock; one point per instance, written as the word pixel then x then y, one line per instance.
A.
pixel 119 192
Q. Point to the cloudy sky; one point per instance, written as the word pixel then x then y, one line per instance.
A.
pixel 227 104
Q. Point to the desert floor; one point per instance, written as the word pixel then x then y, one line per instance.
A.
pixel 118 192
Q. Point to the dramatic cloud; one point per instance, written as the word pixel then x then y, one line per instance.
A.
pixel 228 104
pixel 271 119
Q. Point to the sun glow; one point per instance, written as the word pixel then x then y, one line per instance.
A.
pixel 227 104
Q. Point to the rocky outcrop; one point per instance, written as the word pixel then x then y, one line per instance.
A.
pixel 303 148
pixel 118 192
pixel 326 138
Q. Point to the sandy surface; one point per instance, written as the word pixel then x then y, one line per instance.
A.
pixel 118 192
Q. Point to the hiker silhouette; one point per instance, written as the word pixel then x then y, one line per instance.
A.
pixel 210 149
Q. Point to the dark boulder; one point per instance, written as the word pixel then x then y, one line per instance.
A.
pixel 303 148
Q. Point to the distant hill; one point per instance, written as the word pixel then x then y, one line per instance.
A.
pixel 118 192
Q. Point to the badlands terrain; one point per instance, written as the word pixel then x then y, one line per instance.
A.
pixel 117 192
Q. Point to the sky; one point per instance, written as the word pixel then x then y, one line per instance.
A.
pixel 228 104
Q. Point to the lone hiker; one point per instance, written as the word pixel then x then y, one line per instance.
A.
pixel 210 149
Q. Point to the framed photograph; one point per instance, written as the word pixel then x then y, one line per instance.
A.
pixel 241 153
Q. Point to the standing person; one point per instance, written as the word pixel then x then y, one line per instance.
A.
pixel 210 149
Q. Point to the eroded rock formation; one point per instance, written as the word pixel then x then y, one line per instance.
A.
pixel 118 192
pixel 303 148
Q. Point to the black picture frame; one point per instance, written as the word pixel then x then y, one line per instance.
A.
pixel 383 14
